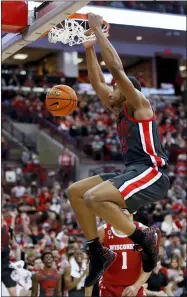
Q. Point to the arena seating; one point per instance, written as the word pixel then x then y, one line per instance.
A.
pixel 91 127
pixel 174 7
pixel 41 217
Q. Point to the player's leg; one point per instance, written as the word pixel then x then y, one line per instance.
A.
pixel 106 199
pixel 101 256
pixel 106 202
pixel 85 216
pixel 95 191
pixel 105 194
pixel 138 186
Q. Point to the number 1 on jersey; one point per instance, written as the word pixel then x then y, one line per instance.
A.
pixel 124 264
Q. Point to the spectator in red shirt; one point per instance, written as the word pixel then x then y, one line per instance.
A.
pixel 44 196
pixel 37 105
pixel 44 82
pixel 140 77
pixel 66 159
pixel 66 163
pixel 169 111
pixel 181 166
pixel 35 171
pixel 18 100
pixel 167 127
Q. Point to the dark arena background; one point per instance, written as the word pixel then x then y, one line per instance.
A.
pixel 43 155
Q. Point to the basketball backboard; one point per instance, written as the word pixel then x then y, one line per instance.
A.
pixel 42 16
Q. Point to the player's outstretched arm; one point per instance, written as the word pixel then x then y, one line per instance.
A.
pixel 114 63
pixel 96 77
pixel 69 283
pixel 59 285
pixel 35 285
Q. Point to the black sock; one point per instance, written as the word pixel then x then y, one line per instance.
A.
pixel 94 245
pixel 137 236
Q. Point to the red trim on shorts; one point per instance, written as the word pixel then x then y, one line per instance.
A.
pixel 138 183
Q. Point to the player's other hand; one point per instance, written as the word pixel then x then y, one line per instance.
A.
pixel 95 21
pixel 90 43
pixel 130 291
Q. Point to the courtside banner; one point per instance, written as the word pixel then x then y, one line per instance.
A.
pixel 138 18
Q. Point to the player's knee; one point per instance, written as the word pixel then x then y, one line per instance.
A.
pixel 72 191
pixel 90 199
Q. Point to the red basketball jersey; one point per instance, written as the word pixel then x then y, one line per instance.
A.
pixel 48 283
pixel 127 267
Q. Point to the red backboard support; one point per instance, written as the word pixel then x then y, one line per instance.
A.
pixel 43 21
pixel 14 16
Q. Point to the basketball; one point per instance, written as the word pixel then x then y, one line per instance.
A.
pixel 61 100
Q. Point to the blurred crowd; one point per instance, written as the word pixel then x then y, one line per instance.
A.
pixel 91 127
pixel 40 217
pixel 174 7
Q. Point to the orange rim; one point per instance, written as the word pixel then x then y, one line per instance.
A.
pixel 83 16
pixel 80 16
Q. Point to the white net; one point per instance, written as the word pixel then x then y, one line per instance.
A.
pixel 72 32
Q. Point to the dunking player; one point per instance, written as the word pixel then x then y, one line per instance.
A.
pixel 125 276
pixel 5 256
pixel 144 179
pixel 48 278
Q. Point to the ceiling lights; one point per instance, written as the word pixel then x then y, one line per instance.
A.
pixel 20 56
pixel 171 33
pixel 79 60
pixel 130 17
pixel 182 68
pixel 139 38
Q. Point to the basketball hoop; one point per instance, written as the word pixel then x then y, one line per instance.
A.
pixel 72 30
